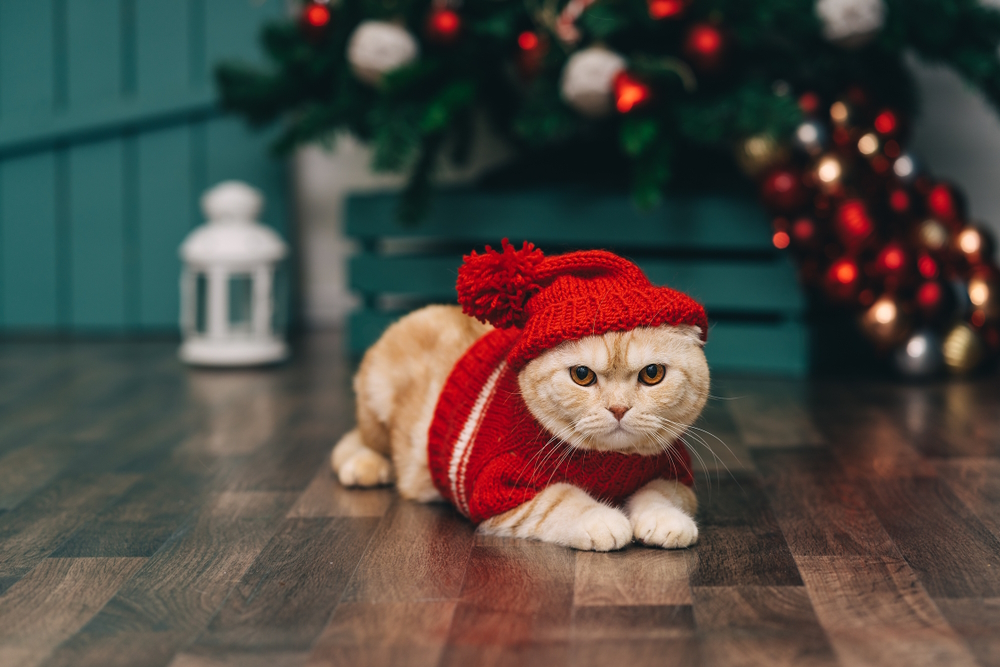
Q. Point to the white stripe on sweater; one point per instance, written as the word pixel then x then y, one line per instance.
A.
pixel 461 452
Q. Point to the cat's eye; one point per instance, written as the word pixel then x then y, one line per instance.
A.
pixel 583 376
pixel 652 374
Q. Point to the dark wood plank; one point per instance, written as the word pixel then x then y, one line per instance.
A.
pixel 770 413
pixel 285 598
pixel 876 613
pixel 516 593
pixel 632 622
pixel 976 482
pixel 213 658
pixel 39 525
pixel 385 633
pixel 325 497
pixel 949 419
pixel 820 511
pixel 865 437
pixel 634 635
pixel 680 652
pixel 740 542
pixel 746 625
pixel 949 549
pixel 171 600
pixel 634 576
pixel 28 469
pixel 419 552
pixel 54 601
pixel 977 621
pixel 288 466
pixel 142 520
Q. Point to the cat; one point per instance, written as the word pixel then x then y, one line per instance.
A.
pixel 604 404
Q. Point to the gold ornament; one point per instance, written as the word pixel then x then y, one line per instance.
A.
pixel 868 144
pixel 828 171
pixel 932 235
pixel 974 244
pixel 841 112
pixel 758 153
pixel 984 293
pixel 963 349
pixel 885 323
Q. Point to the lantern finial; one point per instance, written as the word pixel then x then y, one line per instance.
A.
pixel 232 201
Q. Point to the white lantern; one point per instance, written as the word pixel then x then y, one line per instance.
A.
pixel 228 283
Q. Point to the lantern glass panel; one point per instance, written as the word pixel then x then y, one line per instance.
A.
pixel 240 303
pixel 201 303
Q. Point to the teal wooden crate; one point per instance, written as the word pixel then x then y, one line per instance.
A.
pixel 716 249
pixel 109 132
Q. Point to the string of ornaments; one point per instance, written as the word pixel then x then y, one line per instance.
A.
pixel 880 237
pixel 872 232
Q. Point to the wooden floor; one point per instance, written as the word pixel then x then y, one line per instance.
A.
pixel 154 515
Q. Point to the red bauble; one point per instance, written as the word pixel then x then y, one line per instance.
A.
pixel 803 232
pixel 809 103
pixel 315 18
pixel 946 203
pixel 934 300
pixel 899 200
pixel 853 223
pixel 443 26
pixel 886 122
pixel 630 92
pixel 783 190
pixel 891 260
pixel 666 9
pixel 842 280
pixel 705 47
pixel 927 267
pixel 531 50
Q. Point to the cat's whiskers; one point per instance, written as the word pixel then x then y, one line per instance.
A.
pixel 547 449
pixel 692 432
pixel 670 450
pixel 692 428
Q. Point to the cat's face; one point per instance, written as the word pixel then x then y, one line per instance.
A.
pixel 655 379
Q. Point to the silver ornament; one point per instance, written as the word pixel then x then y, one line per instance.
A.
pixel 378 47
pixel 920 356
pixel 905 168
pixel 810 137
pixel 588 79
pixel 851 23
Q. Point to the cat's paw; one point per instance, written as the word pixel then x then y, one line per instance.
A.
pixel 665 526
pixel 603 529
pixel 365 468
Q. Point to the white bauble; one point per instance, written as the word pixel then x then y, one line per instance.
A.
pixel 851 23
pixel 588 78
pixel 378 47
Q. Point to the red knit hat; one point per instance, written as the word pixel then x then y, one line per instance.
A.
pixel 566 297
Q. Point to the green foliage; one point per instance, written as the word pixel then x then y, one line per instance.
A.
pixel 425 112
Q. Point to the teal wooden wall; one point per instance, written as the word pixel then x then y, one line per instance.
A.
pixel 108 135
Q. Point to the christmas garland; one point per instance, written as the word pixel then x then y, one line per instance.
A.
pixel 810 97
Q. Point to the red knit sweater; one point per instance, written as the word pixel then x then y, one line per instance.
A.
pixel 487 454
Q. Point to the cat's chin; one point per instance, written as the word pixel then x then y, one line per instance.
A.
pixel 620 439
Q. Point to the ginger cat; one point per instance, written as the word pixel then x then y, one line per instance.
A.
pixel 627 396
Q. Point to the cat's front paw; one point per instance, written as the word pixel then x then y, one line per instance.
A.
pixel 665 526
pixel 603 529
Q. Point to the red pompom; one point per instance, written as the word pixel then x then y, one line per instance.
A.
pixel 495 287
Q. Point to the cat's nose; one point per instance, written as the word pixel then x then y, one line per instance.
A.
pixel 618 411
